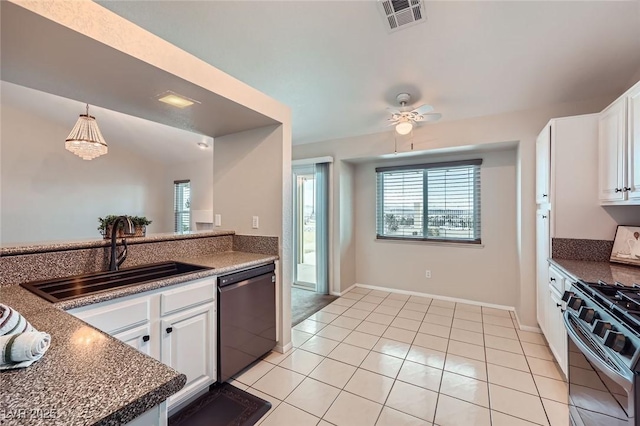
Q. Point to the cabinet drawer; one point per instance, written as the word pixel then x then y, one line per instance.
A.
pixel 184 297
pixel 556 279
pixel 118 316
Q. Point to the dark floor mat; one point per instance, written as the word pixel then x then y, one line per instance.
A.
pixel 223 405
pixel 305 303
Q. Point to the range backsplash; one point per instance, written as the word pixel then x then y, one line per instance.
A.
pixel 576 249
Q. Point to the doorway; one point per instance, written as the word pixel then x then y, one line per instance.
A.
pixel 310 291
pixel 305 234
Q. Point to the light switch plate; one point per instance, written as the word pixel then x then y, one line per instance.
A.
pixel 218 220
pixel 256 222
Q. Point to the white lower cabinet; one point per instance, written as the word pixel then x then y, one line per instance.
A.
pixel 557 334
pixel 157 416
pixel 188 339
pixel 137 337
pixel 175 325
pixel 553 309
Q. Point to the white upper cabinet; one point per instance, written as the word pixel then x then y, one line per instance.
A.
pixel 543 166
pixel 633 163
pixel 619 162
pixel 611 128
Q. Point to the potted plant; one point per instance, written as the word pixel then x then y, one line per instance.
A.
pixel 140 223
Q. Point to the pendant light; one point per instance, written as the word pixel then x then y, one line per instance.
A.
pixel 85 139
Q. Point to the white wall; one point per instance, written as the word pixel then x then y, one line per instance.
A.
pixel 200 173
pixel 252 177
pixel 521 127
pixel 49 194
pixel 247 180
pixel 485 274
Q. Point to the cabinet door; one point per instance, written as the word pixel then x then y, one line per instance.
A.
pixel 612 140
pixel 633 150
pixel 543 166
pixel 557 336
pixel 542 266
pixel 188 347
pixel 137 337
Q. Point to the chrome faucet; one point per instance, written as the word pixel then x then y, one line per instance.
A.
pixel 129 229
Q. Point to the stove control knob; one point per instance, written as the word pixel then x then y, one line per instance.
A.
pixel 587 314
pixel 615 340
pixel 601 327
pixel 567 295
pixel 575 303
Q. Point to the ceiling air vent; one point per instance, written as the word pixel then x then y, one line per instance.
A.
pixel 399 14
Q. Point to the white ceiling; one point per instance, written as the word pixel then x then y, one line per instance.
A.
pixel 150 140
pixel 337 67
pixel 44 55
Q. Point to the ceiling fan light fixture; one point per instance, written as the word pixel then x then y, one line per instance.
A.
pixel 85 139
pixel 404 127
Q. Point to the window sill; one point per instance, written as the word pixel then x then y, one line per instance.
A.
pixel 431 243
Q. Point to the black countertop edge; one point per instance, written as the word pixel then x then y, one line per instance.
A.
pixel 80 245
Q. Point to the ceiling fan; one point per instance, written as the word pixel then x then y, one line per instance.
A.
pixel 404 119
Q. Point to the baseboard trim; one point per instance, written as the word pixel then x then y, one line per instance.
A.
pixel 526 327
pixel 283 349
pixel 433 296
pixel 340 293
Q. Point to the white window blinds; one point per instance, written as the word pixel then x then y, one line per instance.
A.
pixel 435 202
pixel 182 205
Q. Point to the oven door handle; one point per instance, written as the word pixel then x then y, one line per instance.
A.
pixel 625 381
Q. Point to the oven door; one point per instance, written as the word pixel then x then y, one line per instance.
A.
pixel 601 389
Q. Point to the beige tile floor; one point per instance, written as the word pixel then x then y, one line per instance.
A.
pixel 378 358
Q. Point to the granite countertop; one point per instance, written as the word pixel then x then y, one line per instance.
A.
pixel 594 271
pixel 88 377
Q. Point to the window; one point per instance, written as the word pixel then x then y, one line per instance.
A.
pixel 182 205
pixel 434 202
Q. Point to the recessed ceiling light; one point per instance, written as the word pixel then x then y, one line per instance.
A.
pixel 175 100
pixel 203 145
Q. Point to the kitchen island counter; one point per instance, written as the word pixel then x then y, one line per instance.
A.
pixel 88 377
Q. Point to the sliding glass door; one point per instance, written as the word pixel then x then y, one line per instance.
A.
pixel 305 227
pixel 311 215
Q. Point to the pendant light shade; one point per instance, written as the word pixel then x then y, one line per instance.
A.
pixel 85 139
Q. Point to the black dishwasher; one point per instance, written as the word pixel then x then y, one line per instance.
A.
pixel 246 318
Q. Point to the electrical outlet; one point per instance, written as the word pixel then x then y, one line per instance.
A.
pixel 427 273
pixel 218 220
pixel 256 222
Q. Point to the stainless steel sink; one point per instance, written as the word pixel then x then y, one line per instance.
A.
pixel 59 289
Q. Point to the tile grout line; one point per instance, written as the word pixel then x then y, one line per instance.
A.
pixel 486 367
pixel 534 380
pixel 411 345
pixel 446 354
pixel 395 379
pixel 351 377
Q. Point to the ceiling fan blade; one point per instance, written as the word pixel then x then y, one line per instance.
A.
pixel 394 111
pixel 423 109
pixel 430 118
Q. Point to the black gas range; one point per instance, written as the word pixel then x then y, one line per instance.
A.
pixel 603 325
